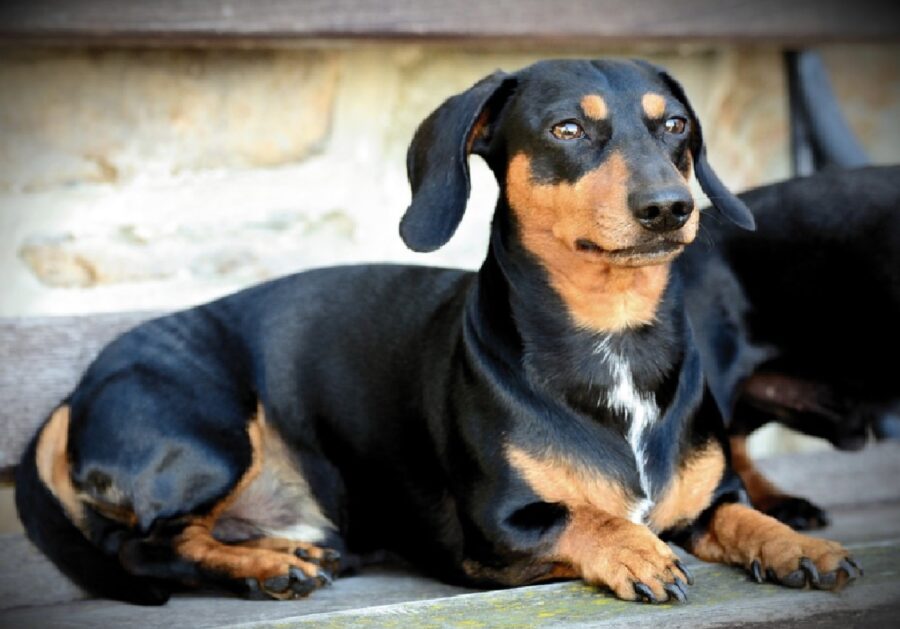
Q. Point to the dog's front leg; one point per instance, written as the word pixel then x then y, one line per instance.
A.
pixel 628 558
pixel 740 535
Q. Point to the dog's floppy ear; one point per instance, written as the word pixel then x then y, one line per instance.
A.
pixel 721 197
pixel 437 161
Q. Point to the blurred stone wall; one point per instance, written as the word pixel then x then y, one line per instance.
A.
pixel 153 179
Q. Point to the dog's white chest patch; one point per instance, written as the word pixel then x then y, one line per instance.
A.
pixel 641 412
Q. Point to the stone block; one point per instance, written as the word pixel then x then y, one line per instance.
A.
pixel 109 116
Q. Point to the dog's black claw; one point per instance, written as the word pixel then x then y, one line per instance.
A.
pixel 300 583
pixel 331 555
pixel 302 553
pixel 811 571
pixel 856 565
pixel 254 592
pixel 675 591
pixel 297 574
pixel 851 571
pixel 277 584
pixel 645 592
pixel 302 588
pixel 756 571
pixel 795 579
pixel 685 571
pixel 324 578
pixel 828 580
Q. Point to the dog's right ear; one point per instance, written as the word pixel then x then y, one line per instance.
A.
pixel 437 161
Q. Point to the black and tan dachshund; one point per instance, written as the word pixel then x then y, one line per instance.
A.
pixel 798 321
pixel 545 417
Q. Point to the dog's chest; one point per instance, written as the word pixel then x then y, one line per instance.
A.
pixel 640 412
pixel 582 466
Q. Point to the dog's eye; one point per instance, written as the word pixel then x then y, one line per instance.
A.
pixel 676 125
pixel 568 130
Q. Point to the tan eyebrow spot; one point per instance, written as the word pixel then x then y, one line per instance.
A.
pixel 654 105
pixel 594 106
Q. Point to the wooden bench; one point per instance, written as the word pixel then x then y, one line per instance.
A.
pixel 574 23
pixel 42 357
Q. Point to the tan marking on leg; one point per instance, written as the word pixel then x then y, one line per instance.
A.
pixel 284 545
pixel 557 480
pixel 594 107
pixel 612 551
pixel 740 535
pixel 654 105
pixel 52 461
pixel 279 501
pixel 196 542
pixel 762 492
pixel 690 490
pixel 601 292
pixel 255 431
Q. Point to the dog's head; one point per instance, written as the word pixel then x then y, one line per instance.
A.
pixel 593 158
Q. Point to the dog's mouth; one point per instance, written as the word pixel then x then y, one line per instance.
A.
pixel 655 252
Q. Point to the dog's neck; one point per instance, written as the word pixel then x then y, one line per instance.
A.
pixel 556 352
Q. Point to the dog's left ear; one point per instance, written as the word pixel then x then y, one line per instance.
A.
pixel 437 161
pixel 721 197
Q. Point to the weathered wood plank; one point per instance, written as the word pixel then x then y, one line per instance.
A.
pixel 174 21
pixel 861 512
pixel 41 359
pixel 722 596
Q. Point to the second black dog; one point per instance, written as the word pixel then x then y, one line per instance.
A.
pixel 798 321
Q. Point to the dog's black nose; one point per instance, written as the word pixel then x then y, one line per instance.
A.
pixel 662 209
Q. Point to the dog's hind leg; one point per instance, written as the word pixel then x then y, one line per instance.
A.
pixel 798 513
pixel 266 568
pixel 230 545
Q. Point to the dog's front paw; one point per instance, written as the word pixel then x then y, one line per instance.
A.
pixel 797 561
pixel 770 550
pixel 636 565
